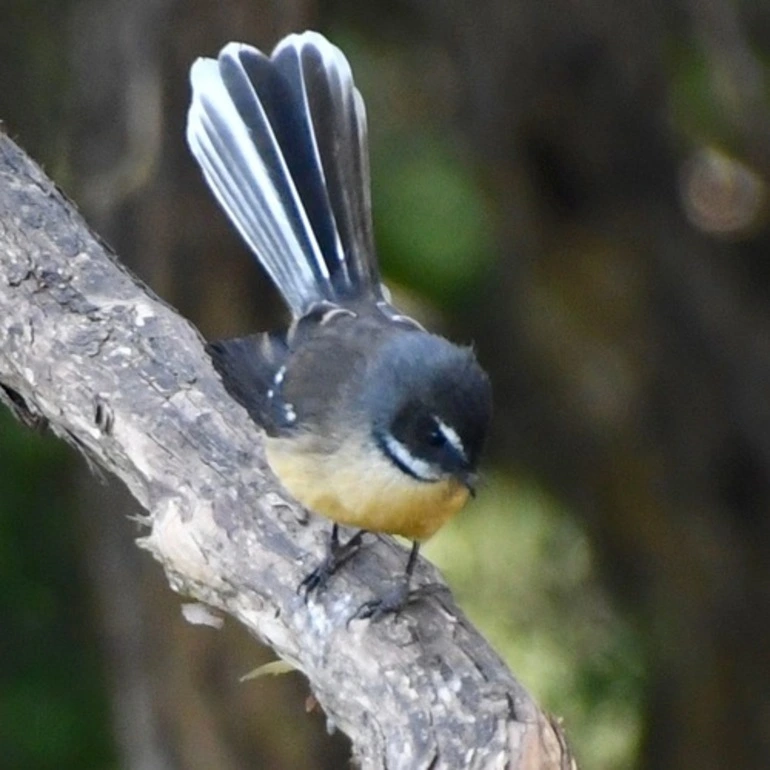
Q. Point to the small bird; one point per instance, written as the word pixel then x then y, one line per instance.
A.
pixel 370 420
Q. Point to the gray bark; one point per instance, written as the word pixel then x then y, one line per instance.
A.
pixel 87 350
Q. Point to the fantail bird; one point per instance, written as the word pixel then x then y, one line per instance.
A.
pixel 370 420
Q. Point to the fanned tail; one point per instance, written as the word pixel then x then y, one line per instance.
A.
pixel 282 143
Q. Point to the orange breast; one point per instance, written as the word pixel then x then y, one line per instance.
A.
pixel 359 487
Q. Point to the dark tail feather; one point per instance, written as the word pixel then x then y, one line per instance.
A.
pixel 320 76
pixel 282 144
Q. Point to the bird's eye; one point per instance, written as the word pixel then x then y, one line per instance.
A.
pixel 436 437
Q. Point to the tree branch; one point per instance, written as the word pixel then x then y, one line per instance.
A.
pixel 111 369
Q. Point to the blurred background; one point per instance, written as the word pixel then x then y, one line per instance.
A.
pixel 579 187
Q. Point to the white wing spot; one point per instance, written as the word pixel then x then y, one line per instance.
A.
pixel 333 313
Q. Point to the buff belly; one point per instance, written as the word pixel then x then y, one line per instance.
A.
pixel 359 487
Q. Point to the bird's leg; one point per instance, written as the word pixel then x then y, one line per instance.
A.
pixel 398 597
pixel 336 556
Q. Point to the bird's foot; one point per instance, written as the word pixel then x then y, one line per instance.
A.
pixel 338 554
pixel 395 600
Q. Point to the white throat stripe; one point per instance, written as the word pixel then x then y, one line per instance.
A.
pixel 420 468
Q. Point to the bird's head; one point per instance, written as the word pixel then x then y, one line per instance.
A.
pixel 429 404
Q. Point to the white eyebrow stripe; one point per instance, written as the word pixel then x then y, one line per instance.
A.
pixel 451 435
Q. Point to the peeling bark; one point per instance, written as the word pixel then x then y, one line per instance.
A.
pixel 85 348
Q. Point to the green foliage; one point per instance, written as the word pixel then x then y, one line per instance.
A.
pixel 52 707
pixel 433 230
pixel 710 101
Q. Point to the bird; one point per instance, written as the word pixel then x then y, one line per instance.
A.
pixel 369 419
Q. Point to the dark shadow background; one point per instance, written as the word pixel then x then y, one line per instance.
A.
pixel 579 187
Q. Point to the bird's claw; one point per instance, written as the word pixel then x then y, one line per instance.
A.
pixel 338 555
pixel 392 602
